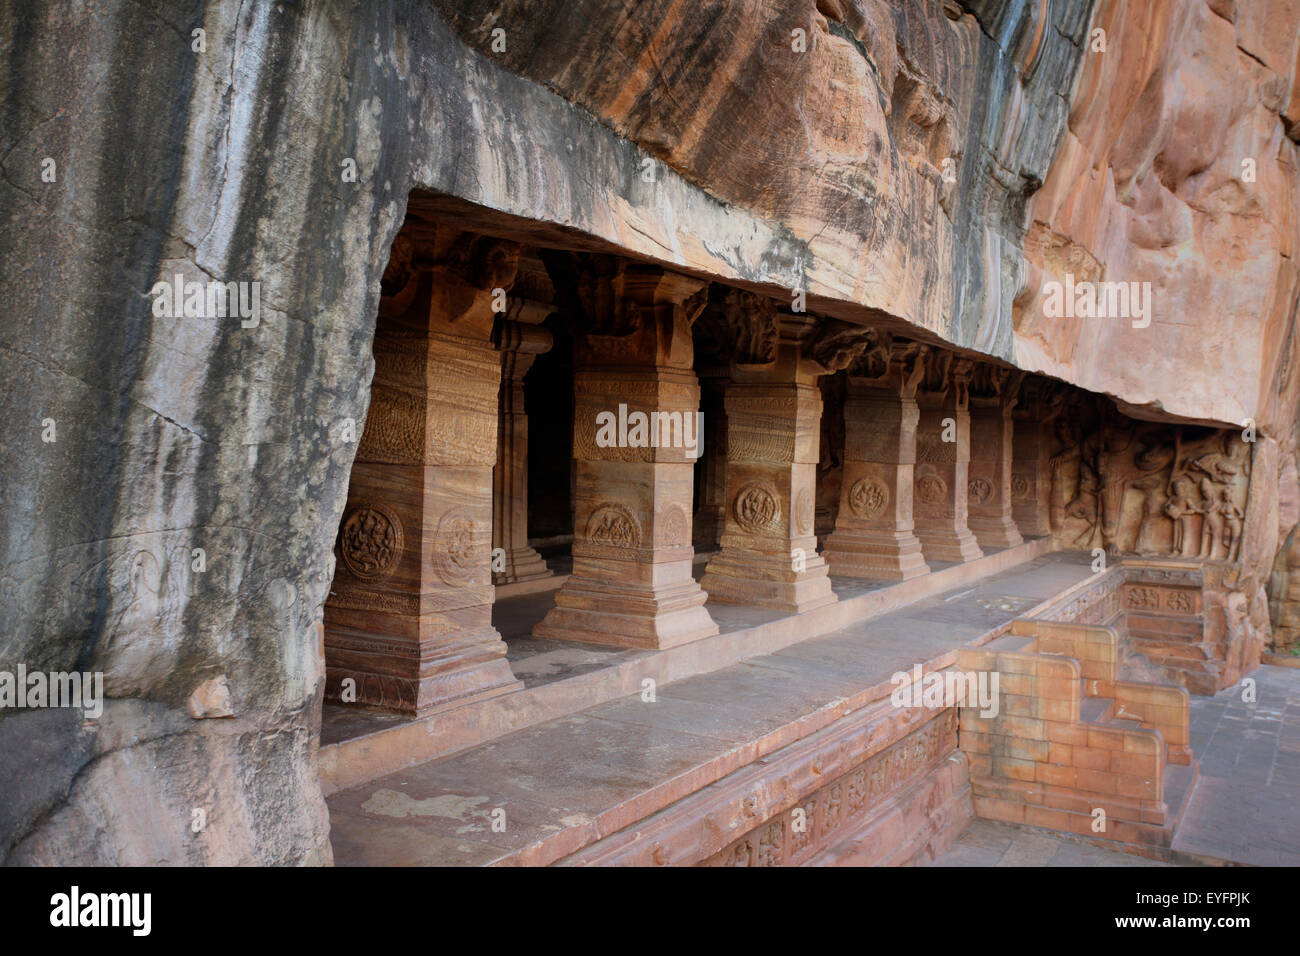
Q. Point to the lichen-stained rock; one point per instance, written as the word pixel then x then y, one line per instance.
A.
pixel 179 524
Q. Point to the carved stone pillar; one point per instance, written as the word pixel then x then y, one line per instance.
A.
pixel 712 471
pixel 993 396
pixel 409 618
pixel 874 536
pixel 769 549
pixel 520 339
pixel 1034 441
pixel 943 461
pixel 635 441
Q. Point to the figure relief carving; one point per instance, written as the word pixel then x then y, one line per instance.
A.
pixel 1020 488
pixel 491 263
pixel 752 326
pixel 1180 601
pixel 930 487
pixel 868 497
pixel 591 289
pixel 879 356
pixel 1147 599
pixel 756 508
pixel 771 845
pixel 370 541
pixel 837 345
pixel 962 370
pixel 453 548
pixel 1192 482
pixel 803 512
pixel 979 490
pixel 675 528
pixel 614 525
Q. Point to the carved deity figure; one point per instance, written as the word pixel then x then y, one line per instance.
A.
pixel 1085 504
pixel 1153 510
pixel 1232 517
pixel 1182 510
pixel 1061 464
pixel 1212 523
pixel 1114 476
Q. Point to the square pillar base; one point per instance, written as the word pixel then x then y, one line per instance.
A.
pixel 614 613
pixel 995 532
pixel 417 678
pixel 875 555
pixel 742 576
pixel 955 545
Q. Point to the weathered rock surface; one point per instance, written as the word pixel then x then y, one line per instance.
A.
pixel 825 169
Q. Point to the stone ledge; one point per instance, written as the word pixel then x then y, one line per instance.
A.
pixel 352 762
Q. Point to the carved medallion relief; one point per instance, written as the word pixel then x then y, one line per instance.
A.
pixel 868 497
pixel 756 508
pixel 370 541
pixel 613 525
pixel 453 548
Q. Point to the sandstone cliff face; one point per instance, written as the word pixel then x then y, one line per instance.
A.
pixel 894 143
pixel 824 169
pixel 1177 170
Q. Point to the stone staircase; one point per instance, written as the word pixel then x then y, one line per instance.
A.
pixel 1072 747
pixel 1166 627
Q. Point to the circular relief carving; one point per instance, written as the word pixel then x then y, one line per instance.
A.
pixel 453 547
pixel 613 525
pixel 676 529
pixel 980 490
pixel 1019 487
pixel 370 541
pixel 931 489
pixel 868 497
pixel 803 512
pixel 756 507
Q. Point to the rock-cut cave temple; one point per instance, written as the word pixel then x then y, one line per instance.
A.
pixel 524 431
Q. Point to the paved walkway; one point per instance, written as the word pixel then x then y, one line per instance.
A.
pixel 987 843
pixel 1245 809
pixel 1246 806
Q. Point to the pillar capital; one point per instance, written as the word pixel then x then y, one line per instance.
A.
pixel 946 383
pixel 627 313
pixel 995 386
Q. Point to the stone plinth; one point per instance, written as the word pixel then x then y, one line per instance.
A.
pixel 942 467
pixel 874 536
pixel 636 439
pixel 520 340
pixel 409 618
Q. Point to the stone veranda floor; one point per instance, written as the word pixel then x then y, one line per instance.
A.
pixel 1245 808
pixel 597 764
